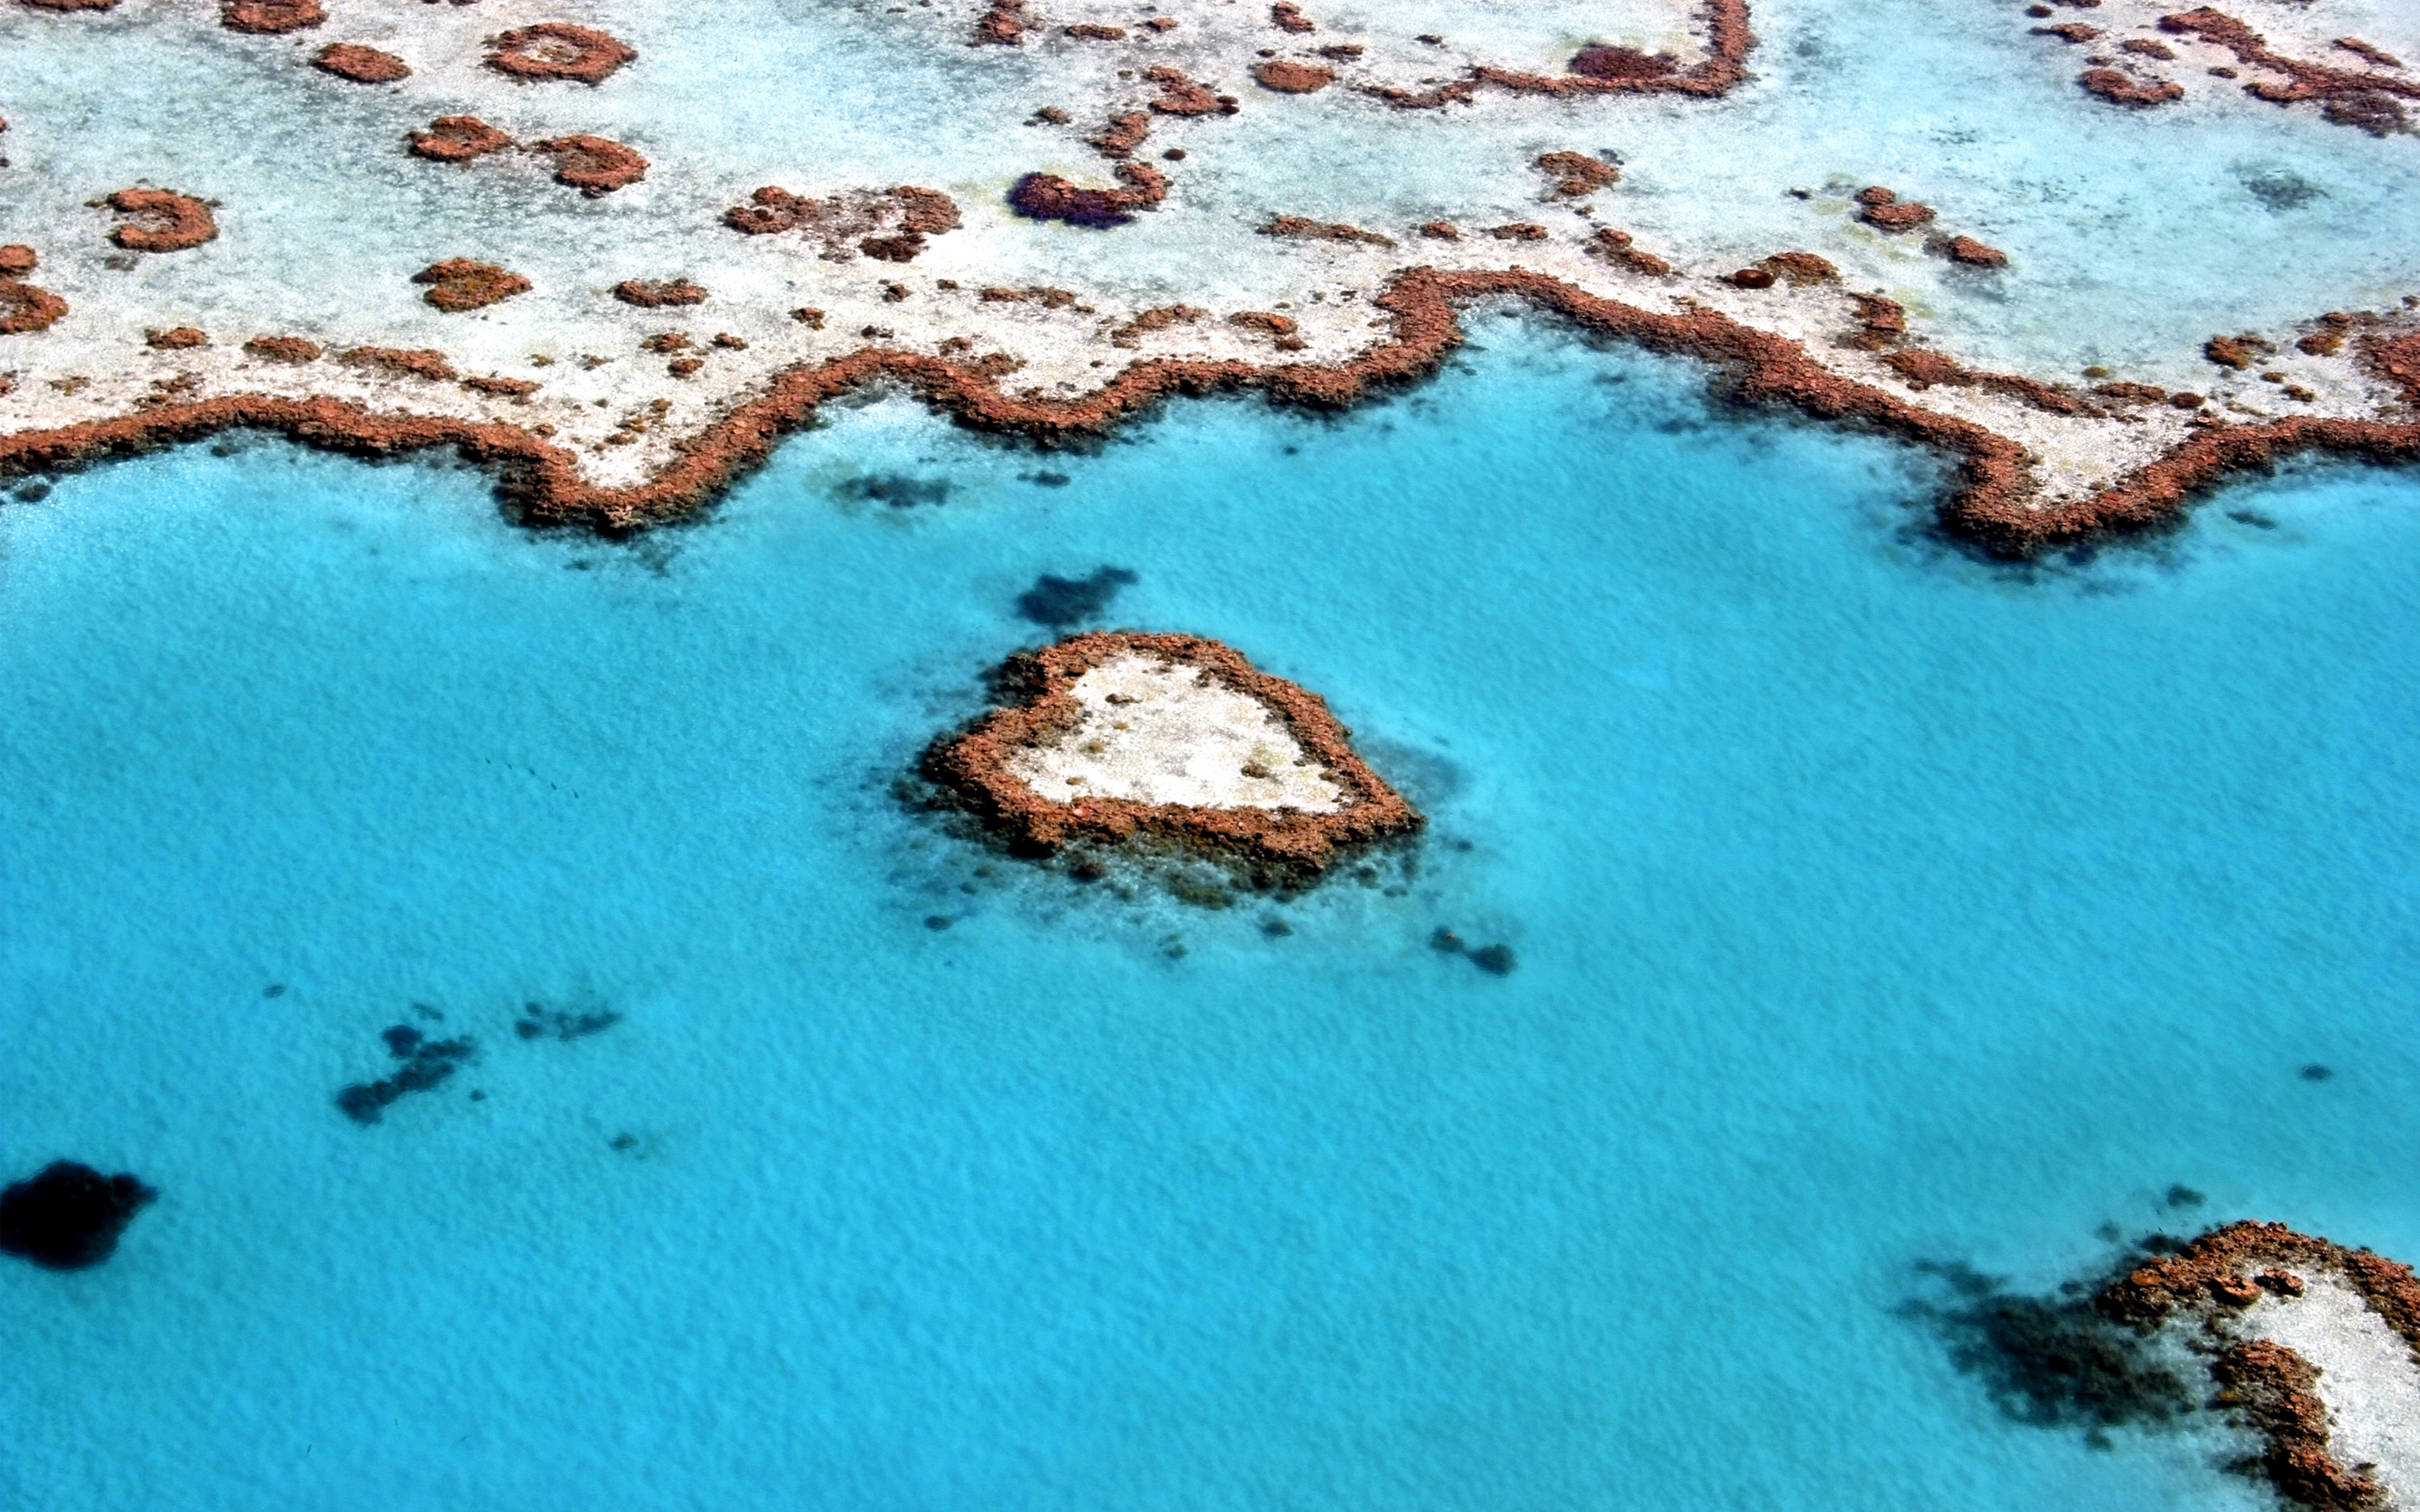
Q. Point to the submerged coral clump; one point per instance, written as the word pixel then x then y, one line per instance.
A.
pixel 459 283
pixel 362 65
pixel 558 49
pixel 69 1216
pixel 157 219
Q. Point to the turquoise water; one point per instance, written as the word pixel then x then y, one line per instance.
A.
pixel 1873 906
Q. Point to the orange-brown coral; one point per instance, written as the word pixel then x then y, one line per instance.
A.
pixel 362 65
pixel 1884 210
pixel 423 363
pixel 1283 843
pixel 175 338
pixel 1617 245
pixel 652 296
pixel 1972 253
pixel 1602 67
pixel 1289 78
pixel 1801 267
pixel 594 165
pixel 25 309
pixel 2125 89
pixel 458 139
pixel 1043 197
pixel 271 17
pixel 2371 102
pixel 1093 31
pixel 1180 96
pixel 1302 228
pixel 557 50
pixel 17 260
pixel 1003 25
pixel 1122 134
pixel 887 224
pixel 282 349
pixel 1147 321
pixel 159 221
pixel 458 284
pixel 1576 174
pixel 1287 16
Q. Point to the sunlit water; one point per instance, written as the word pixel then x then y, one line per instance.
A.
pixel 1872 905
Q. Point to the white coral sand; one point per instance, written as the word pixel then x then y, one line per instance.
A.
pixel 1161 733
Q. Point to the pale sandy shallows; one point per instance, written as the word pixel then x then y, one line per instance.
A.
pixel 1161 733
pixel 2367 1378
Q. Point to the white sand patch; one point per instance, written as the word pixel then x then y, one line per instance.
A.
pixel 2367 1378
pixel 1161 733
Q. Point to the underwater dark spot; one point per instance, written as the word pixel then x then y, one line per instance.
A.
pixel 68 1216
pixel 1459 844
pixel 33 493
pixel 937 923
pixel 402 1039
pixel 2109 1232
pixel 1200 894
pixel 2315 1072
pixel 1047 479
pixel 275 989
pixel 1173 947
pixel 1496 960
pixel 625 1141
pixel 1446 940
pixel 2050 1361
pixel 2281 191
pixel 1087 870
pixel 2252 518
pixel 478 1095
pixel 2182 1195
pixel 538 1020
pixel 897 490
pixel 1276 929
pixel 427 1064
pixel 1058 602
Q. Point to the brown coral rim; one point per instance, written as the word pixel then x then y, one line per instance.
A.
pixel 1990 503
pixel 558 49
pixel 2230 1267
pixel 972 764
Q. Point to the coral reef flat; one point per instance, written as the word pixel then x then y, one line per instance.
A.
pixel 1209 757
pixel 2029 353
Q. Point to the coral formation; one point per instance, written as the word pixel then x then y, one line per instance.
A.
pixel 1575 174
pixel 890 224
pixel 1180 95
pixel 1289 78
pixel 592 165
pixel 25 308
pixel 977 766
pixel 2371 102
pixel 1300 228
pixel 1287 16
pixel 651 296
pixel 1884 210
pixel 271 17
pixel 2125 89
pixel 458 139
pixel 1972 253
pixel 362 65
pixel 69 1216
pixel 282 349
pixel 159 221
pixel 458 284
pixel 1042 196
pixel 557 50
pixel 1003 25
pixel 175 338
pixel 423 363
pixel 1603 67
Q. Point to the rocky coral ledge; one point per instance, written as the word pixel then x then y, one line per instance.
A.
pixel 1118 737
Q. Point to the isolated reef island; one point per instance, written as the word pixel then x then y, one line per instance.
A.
pixel 1119 736
pixel 2310 1348
pixel 509 227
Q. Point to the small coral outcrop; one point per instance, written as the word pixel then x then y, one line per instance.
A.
pixel 888 225
pixel 159 221
pixel 557 50
pixel 594 165
pixel 270 18
pixel 459 283
pixel 362 65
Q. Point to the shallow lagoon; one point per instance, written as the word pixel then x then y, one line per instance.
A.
pixel 1873 906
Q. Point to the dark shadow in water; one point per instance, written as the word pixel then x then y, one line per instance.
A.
pixel 538 1022
pixel 2052 1361
pixel 1062 603
pixel 68 1216
pixel 899 490
pixel 426 1065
